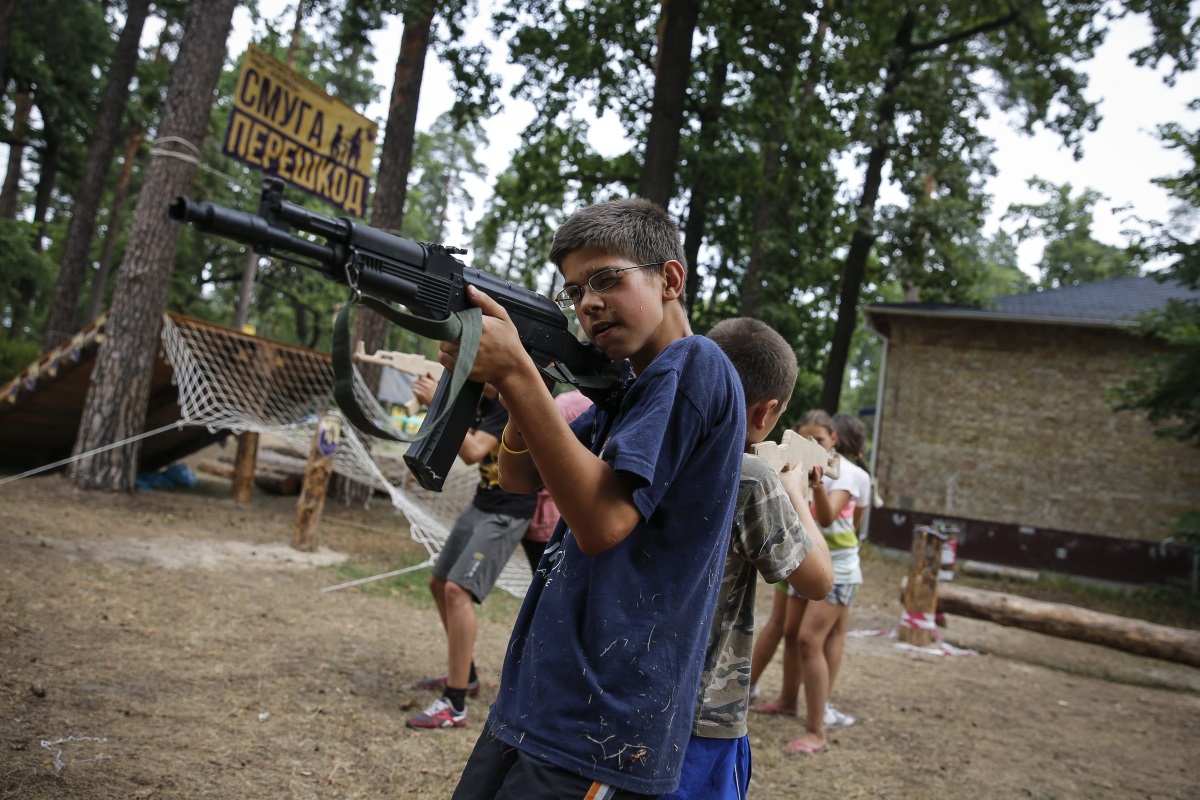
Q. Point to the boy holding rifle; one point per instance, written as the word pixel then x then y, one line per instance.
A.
pixel 602 670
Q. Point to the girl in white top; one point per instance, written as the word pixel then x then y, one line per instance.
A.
pixel 814 632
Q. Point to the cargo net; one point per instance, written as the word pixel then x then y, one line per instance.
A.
pixel 238 382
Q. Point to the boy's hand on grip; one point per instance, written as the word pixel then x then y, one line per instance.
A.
pixel 501 353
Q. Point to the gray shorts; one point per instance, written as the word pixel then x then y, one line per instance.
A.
pixel 478 548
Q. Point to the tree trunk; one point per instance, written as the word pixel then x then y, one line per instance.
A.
pixel 863 238
pixel 306 536
pixel 115 407
pixel 766 200
pixel 116 215
pixel 78 243
pixel 395 161
pixel 250 266
pixel 7 7
pixel 10 193
pixel 764 203
pixel 249 274
pixel 117 212
pixel 27 287
pixel 47 175
pixel 697 218
pixel 657 179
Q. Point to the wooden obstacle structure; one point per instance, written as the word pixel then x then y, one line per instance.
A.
pixel 919 595
pixel 1071 622
pixel 922 597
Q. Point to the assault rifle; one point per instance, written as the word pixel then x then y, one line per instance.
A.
pixel 798 452
pixel 431 283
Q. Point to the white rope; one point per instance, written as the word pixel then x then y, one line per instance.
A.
pixel 90 453
pixel 194 159
pixel 392 574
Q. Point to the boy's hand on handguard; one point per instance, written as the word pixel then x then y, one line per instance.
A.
pixel 501 355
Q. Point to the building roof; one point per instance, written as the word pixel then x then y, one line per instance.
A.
pixel 1117 302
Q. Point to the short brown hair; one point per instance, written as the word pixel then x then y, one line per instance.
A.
pixel 764 361
pixel 634 228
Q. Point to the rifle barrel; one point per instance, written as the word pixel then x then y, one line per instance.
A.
pixel 248 229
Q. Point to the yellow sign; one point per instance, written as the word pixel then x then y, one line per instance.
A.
pixel 288 127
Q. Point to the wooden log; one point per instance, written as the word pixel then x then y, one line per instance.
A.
pixel 243 467
pixel 280 483
pixel 316 483
pixel 279 462
pixel 921 589
pixel 1071 622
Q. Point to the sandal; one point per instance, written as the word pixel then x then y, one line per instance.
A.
pixel 797 747
pixel 771 708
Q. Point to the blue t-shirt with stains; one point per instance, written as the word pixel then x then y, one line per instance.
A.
pixel 601 674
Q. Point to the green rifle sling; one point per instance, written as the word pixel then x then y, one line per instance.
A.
pixel 464 326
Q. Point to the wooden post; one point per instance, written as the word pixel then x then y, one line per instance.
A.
pixel 920 592
pixel 316 482
pixel 246 463
pixel 244 467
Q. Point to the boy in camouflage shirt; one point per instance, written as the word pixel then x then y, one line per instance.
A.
pixel 773 533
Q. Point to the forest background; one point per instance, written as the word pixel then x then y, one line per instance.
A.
pixel 819 155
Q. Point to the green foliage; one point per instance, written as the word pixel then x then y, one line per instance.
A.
pixel 1072 256
pixel 1168 387
pixel 782 98
pixel 442 160
pixel 16 356
pixel 1000 273
pixel 25 268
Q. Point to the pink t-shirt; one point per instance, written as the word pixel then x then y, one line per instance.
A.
pixel 570 404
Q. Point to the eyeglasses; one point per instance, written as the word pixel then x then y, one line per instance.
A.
pixel 601 281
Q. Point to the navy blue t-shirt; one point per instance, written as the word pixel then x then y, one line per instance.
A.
pixel 603 667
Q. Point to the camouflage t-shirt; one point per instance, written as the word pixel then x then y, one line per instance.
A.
pixel 767 537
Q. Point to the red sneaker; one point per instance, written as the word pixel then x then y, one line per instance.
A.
pixel 440 714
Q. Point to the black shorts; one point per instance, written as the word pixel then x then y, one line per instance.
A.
pixel 496 771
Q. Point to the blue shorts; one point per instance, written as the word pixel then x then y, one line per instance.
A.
pixel 496 771
pixel 714 769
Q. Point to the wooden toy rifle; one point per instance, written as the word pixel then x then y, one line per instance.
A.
pixel 798 452
pixel 408 363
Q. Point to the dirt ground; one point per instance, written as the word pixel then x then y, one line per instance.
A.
pixel 171 645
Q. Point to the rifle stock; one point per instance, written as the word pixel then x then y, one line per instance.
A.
pixel 430 282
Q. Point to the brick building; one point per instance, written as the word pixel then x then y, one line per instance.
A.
pixel 1002 421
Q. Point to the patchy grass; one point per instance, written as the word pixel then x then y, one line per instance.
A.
pixel 412 588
